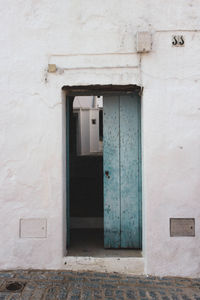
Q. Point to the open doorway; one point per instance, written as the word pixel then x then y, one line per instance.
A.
pixel 104 174
pixel 86 175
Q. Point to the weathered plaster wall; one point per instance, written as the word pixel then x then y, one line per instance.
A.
pixel 38 32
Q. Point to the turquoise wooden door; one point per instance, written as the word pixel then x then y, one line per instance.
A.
pixel 69 111
pixel 122 172
pixel 68 108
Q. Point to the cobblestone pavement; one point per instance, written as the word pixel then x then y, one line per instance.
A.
pixel 68 285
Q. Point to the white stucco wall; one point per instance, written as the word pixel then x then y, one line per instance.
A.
pixel 38 32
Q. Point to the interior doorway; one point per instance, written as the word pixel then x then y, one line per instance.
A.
pixel 86 175
pixel 104 173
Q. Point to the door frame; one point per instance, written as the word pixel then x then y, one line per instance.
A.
pixel 95 90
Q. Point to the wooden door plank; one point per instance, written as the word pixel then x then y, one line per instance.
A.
pixel 68 169
pixel 140 172
pixel 111 165
pixel 129 171
pixel 69 145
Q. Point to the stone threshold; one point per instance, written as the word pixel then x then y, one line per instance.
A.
pixel 123 265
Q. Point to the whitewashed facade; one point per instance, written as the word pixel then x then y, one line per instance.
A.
pixel 94 42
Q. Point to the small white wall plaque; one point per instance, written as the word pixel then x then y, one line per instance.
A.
pixel 144 41
pixel 33 228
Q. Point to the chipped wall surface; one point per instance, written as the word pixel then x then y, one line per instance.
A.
pixel 94 42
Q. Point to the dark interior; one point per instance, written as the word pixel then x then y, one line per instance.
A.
pixel 86 186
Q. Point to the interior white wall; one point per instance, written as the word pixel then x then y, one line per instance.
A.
pixel 94 131
pixel 31 143
pixel 83 102
pixel 85 129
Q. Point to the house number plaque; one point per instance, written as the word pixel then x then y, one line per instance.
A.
pixel 178 41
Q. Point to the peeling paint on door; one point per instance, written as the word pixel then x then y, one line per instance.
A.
pixel 122 174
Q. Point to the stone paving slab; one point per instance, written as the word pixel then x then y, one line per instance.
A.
pixel 49 285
